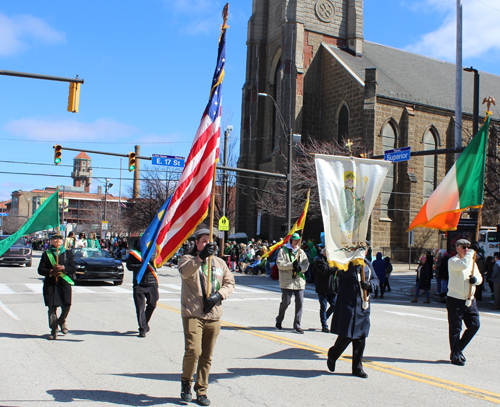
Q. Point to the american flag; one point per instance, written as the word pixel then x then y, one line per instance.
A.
pixel 190 200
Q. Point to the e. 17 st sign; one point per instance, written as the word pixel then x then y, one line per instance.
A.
pixel 168 160
pixel 398 154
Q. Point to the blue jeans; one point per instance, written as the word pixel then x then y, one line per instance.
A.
pixel 444 287
pixel 417 290
pixel 324 314
pixel 438 282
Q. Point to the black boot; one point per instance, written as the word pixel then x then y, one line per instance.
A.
pixel 186 391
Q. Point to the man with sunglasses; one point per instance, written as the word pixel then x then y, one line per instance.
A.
pixel 464 275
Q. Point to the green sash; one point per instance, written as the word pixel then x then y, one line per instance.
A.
pixel 50 255
pixel 292 256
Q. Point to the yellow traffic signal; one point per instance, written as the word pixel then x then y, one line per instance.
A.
pixel 131 161
pixel 74 97
pixel 57 154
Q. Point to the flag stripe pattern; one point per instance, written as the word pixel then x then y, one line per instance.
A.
pixel 299 225
pixel 461 188
pixel 191 198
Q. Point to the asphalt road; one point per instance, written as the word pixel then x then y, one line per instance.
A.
pixel 103 362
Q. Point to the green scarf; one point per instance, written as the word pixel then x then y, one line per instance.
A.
pixel 50 254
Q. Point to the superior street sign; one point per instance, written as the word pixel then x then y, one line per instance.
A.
pixel 167 160
pixel 398 154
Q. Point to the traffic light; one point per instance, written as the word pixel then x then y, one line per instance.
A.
pixel 57 154
pixel 74 97
pixel 131 161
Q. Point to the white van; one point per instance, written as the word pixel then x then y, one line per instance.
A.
pixel 489 240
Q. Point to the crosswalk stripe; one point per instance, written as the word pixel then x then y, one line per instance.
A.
pixel 4 289
pixel 82 290
pixel 36 288
pixel 118 290
pixel 176 287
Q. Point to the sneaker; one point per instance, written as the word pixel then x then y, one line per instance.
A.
pixel 278 326
pixel 202 400
pixel 298 330
pixel 186 391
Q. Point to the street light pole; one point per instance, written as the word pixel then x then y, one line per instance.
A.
pixel 475 119
pixel 288 131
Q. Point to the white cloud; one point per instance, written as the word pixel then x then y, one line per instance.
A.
pixel 70 130
pixel 18 32
pixel 480 31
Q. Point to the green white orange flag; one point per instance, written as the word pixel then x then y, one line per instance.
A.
pixel 299 225
pixel 461 188
pixel 46 217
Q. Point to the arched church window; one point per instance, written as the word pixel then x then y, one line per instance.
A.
pixel 343 127
pixel 430 165
pixel 386 195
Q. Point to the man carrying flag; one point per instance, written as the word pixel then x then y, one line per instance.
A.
pixel 292 263
pixel 461 188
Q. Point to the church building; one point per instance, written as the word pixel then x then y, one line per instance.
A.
pixel 331 84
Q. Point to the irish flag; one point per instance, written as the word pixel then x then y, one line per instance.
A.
pixel 461 188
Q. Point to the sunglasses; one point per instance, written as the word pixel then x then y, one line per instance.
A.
pixel 465 247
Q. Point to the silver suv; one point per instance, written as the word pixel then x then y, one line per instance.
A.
pixel 18 253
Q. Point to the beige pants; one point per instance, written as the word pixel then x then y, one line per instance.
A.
pixel 199 341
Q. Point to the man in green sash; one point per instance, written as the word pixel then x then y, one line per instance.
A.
pixel 292 263
pixel 57 265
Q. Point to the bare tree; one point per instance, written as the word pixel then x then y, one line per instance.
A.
pixel 156 186
pixel 273 202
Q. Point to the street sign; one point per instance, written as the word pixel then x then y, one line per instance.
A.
pixel 167 160
pixel 224 224
pixel 4 214
pixel 398 154
pixel 104 225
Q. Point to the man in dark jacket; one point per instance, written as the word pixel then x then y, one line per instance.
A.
pixel 379 266
pixel 145 290
pixel 325 288
pixel 57 265
pixel 351 319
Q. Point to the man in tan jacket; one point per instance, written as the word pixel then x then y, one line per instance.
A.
pixel 201 314
pixel 292 263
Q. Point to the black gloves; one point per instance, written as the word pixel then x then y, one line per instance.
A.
pixel 210 302
pixel 296 266
pixel 207 251
pixel 365 285
pixel 472 280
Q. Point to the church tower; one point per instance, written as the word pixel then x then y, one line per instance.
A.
pixel 284 61
pixel 82 171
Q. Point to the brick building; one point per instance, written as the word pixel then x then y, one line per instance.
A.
pixel 329 84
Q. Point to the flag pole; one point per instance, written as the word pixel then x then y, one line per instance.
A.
pixel 57 248
pixel 212 208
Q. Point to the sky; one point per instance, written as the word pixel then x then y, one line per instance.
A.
pixel 148 67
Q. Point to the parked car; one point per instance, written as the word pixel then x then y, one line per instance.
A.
pixel 96 265
pixel 19 253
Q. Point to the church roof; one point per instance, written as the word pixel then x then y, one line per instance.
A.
pixel 414 78
pixel 83 155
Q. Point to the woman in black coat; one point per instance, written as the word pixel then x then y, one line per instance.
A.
pixel 57 283
pixel 424 280
pixel 351 322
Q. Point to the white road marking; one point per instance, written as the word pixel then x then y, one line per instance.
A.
pixel 4 289
pixel 118 290
pixel 403 314
pixel 9 311
pixel 78 289
pixel 36 288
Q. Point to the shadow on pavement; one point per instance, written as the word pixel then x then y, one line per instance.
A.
pixel 115 397
pixel 233 373
pixel 292 354
pixel 28 336
pixel 385 359
pixel 104 333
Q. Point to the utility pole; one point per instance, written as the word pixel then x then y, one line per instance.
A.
pixel 228 131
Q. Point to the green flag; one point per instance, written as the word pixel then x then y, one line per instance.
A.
pixel 46 217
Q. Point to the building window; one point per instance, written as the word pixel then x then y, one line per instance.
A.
pixel 430 165
pixel 386 195
pixel 343 127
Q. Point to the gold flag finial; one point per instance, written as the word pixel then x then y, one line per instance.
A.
pixel 349 144
pixel 225 13
pixel 489 101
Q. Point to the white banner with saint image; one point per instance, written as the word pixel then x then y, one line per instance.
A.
pixel 348 188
